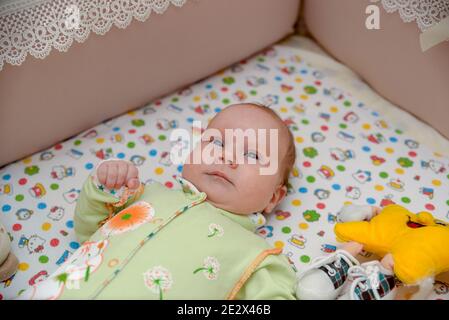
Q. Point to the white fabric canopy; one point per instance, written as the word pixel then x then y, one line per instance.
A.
pixel 431 16
pixel 426 13
pixel 38 26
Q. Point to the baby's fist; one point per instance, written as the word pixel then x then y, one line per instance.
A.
pixel 117 173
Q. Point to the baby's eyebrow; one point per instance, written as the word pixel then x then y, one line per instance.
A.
pixel 247 146
pixel 221 131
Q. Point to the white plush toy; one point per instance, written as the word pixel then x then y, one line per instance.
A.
pixel 8 261
pixel 352 212
pixel 326 278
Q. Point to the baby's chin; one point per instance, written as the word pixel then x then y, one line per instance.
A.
pixel 222 195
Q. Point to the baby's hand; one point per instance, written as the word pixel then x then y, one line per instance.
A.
pixel 116 173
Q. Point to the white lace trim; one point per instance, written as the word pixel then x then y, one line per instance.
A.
pixel 38 26
pixel 427 13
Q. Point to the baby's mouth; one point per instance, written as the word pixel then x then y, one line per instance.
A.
pixel 219 175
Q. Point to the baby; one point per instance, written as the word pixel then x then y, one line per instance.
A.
pixel 193 242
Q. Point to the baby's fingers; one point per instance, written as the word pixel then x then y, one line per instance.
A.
pixel 133 183
pixel 133 177
pixel 121 175
pixel 102 173
pixel 111 175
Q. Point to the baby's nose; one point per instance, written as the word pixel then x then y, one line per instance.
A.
pixel 228 159
pixel 232 164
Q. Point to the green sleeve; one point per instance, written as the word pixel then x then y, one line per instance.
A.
pixel 274 279
pixel 91 208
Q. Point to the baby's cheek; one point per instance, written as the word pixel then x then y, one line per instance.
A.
pixel 259 184
pixel 194 156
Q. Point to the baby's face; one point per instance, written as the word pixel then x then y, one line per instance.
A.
pixel 233 171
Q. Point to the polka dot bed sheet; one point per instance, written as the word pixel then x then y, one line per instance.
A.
pixel 346 154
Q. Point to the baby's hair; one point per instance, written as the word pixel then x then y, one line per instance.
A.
pixel 290 156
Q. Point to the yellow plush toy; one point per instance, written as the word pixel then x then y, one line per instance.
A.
pixel 417 245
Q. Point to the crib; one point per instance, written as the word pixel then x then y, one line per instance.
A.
pixel 368 108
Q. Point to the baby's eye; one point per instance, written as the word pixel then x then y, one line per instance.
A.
pixel 217 142
pixel 252 154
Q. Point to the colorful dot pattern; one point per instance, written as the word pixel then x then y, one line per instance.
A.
pixel 346 154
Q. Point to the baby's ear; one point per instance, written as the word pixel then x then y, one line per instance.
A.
pixel 278 195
